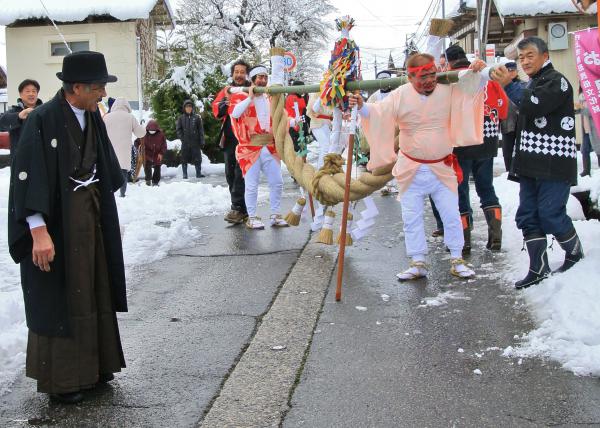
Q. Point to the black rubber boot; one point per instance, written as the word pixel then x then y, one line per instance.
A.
pixel 67 398
pixel 538 261
pixel 199 174
pixel 573 250
pixel 467 227
pixel 184 170
pixel 587 165
pixel 493 216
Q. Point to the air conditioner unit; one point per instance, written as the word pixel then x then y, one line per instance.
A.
pixel 558 36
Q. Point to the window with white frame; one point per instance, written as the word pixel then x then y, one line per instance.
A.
pixel 59 48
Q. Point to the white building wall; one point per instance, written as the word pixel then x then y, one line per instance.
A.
pixel 28 56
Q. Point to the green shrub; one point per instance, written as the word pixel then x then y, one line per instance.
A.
pixel 167 100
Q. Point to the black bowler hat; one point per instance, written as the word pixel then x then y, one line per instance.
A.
pixel 85 67
pixel 455 52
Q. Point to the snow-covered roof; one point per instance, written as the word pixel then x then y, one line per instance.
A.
pixel 523 7
pixel 75 11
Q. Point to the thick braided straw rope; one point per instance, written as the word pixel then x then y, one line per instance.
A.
pixel 327 184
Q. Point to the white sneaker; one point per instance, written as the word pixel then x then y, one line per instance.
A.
pixel 389 190
pixel 254 223
pixel 278 221
pixel 415 271
pixel 459 269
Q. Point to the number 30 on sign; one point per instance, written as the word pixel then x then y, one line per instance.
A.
pixel 289 61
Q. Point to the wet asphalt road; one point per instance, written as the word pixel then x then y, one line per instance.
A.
pixel 390 364
pixel 395 364
pixel 190 317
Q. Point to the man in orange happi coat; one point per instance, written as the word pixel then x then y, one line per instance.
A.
pixel 432 119
pixel 256 152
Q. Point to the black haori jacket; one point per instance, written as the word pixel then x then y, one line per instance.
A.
pixel 545 146
pixel 40 184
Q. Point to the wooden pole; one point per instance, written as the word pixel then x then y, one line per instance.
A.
pixel 340 272
pixel 311 204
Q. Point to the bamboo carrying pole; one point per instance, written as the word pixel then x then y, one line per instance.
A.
pixel 358 85
pixel 342 250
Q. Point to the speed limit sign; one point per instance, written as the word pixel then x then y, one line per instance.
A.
pixel 290 62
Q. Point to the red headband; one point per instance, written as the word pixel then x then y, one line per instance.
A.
pixel 421 68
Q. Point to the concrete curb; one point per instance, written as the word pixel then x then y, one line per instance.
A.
pixel 257 390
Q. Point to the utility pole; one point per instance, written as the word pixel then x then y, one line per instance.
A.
pixel 444 17
pixel 375 66
pixel 484 10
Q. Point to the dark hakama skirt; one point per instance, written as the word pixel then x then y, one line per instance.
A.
pixel 69 364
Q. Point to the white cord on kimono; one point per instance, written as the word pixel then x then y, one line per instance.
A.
pixel 87 182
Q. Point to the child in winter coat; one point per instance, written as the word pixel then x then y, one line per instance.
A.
pixel 154 145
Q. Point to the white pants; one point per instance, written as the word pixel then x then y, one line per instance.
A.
pixel 426 183
pixel 336 144
pixel 322 136
pixel 272 169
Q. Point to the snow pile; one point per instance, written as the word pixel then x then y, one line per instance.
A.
pixel 442 299
pixel 521 8
pixel 154 221
pixel 13 332
pixel 69 11
pixel 589 183
pixel 565 307
pixel 531 8
pixel 175 172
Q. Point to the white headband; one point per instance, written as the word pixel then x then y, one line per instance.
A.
pixel 259 69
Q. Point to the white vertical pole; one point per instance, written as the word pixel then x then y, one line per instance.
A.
pixel 443 17
pixel 139 78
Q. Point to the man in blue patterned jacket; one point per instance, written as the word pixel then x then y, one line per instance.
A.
pixel 545 162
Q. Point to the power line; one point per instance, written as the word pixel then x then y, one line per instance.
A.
pixel 431 12
pixel 374 16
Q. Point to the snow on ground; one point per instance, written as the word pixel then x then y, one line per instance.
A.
pixel 565 307
pixel 154 221
pixel 442 299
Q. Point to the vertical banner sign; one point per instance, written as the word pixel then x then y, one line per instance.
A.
pixel 490 52
pixel 587 58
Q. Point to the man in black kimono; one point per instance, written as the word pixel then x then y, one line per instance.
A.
pixel 64 232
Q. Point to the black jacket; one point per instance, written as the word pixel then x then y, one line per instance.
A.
pixel 10 122
pixel 190 131
pixel 40 184
pixel 226 138
pixel 545 146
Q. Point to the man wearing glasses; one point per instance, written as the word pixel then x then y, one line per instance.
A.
pixel 64 232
